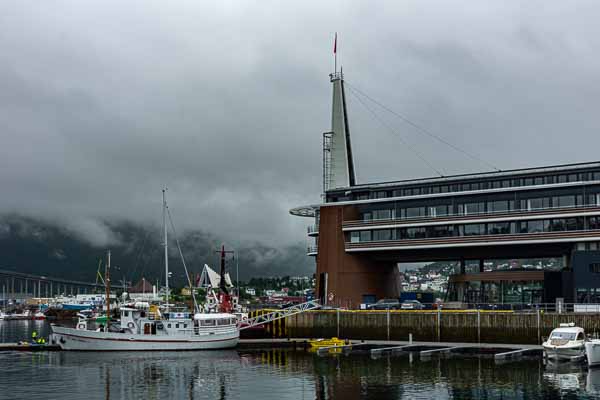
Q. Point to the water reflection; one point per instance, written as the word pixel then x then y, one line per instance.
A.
pixel 284 374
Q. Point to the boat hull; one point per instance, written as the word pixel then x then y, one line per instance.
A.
pixel 592 351
pixel 562 353
pixel 85 340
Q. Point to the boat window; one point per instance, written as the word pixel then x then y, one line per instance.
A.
pixel 207 322
pixel 159 326
pixel 580 336
pixel 168 325
pixel 185 325
pixel 563 335
pixel 223 321
pixel 176 325
pixel 126 313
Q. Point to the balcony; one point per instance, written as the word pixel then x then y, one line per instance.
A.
pixel 312 250
pixel 473 241
pixel 513 215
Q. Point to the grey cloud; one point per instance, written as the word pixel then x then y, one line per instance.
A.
pixel 101 104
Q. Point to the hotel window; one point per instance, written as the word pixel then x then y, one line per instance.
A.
pixel 499 228
pixel 595 175
pixel 440 231
pixel 444 189
pixel 535 204
pixel 496 185
pixel 438 211
pixel 473 229
pixel 382 234
pixel 563 201
pixel 528 181
pixel 435 189
pixel 572 177
pixel 382 214
pixel 550 179
pixel 363 196
pixel 471 208
pixel 465 187
pixel 380 195
pixel 365 236
pixel 594 223
pixel 425 190
pixel 500 205
pixel 535 226
pixel 414 212
pixel 538 180
pixel 562 178
pixel 516 182
pixel 367 216
pixel 408 192
pixel 398 193
pixel 354 237
pixel 412 233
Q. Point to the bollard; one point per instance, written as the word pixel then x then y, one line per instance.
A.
pixel 410 338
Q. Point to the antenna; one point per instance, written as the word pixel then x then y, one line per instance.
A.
pixel 166 246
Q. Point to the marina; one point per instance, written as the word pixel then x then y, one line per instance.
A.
pixel 286 369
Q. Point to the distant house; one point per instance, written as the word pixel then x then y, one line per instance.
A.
pixel 144 291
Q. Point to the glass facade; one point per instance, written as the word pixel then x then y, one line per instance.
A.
pixel 492 228
pixel 474 184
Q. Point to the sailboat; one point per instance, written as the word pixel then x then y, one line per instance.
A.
pixel 142 328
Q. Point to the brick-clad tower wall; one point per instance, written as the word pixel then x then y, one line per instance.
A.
pixel 349 276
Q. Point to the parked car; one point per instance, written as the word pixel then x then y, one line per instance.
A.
pixel 385 304
pixel 412 305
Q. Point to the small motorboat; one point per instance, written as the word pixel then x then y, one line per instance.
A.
pixel 566 343
pixel 39 316
pixel 333 342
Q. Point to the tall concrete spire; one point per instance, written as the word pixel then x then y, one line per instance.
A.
pixel 341 169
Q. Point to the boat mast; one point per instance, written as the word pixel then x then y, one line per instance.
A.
pixel 107 285
pixel 166 246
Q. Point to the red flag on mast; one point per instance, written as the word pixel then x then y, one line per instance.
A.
pixel 335 44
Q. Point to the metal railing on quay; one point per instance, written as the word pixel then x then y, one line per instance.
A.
pixel 525 308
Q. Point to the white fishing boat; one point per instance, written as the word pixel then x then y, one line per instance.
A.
pixel 566 343
pixel 141 329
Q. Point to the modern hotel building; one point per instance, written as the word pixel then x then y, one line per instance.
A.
pixel 362 231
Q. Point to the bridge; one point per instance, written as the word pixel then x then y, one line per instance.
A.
pixel 19 285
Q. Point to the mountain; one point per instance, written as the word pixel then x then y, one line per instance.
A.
pixel 45 248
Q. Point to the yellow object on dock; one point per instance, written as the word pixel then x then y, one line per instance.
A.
pixel 333 342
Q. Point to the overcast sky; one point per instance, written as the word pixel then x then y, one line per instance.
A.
pixel 103 103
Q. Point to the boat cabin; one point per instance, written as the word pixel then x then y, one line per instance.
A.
pixel 139 320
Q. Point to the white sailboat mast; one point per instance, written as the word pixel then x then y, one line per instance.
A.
pixel 166 246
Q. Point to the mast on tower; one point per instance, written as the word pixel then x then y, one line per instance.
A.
pixel 338 164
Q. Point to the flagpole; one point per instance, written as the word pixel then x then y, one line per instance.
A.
pixel 335 54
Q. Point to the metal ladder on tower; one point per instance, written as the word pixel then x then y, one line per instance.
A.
pixel 275 315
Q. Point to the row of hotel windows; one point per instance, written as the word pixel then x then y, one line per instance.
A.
pixel 483 207
pixel 461 187
pixel 496 228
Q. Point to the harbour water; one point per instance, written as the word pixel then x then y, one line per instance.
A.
pixel 278 374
